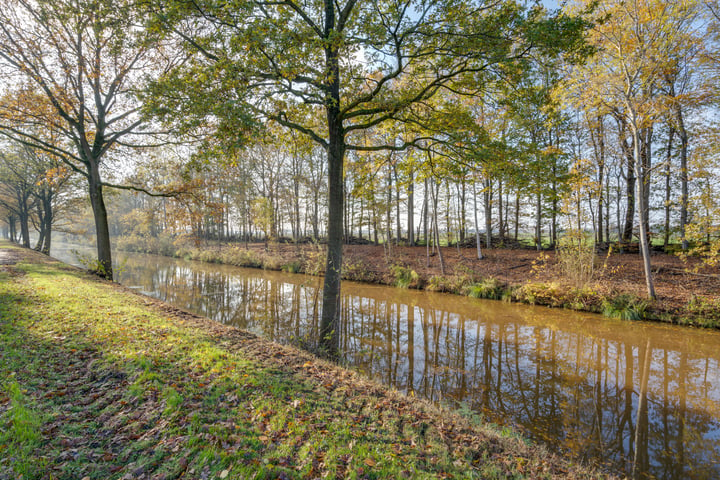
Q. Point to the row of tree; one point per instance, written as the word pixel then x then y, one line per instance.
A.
pixel 350 119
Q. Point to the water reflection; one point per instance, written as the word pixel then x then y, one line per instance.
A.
pixel 639 399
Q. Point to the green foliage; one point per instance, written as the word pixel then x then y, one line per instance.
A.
pixel 292 267
pixel 551 294
pixel 94 265
pixel 163 244
pixel 357 271
pixel 315 260
pixel 489 288
pixel 625 307
pixel 703 312
pixel 173 400
pixel 404 277
pixel 20 428
pixel 452 284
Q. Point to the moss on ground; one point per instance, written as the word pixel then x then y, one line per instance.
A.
pixel 97 382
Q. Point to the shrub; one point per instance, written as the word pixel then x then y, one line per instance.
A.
pixel 315 260
pixel 625 307
pixel 271 262
pixel 576 258
pixel 487 288
pixel 241 257
pixel 404 276
pixel 703 312
pixel 292 267
pixel 357 271
pixel 541 294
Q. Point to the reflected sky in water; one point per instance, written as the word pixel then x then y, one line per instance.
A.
pixel 639 399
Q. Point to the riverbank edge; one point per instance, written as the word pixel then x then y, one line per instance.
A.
pixel 698 312
pixel 103 382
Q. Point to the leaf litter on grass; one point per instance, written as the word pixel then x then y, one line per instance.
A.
pixel 139 389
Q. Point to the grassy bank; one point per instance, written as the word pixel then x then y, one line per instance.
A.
pixel 97 382
pixel 541 286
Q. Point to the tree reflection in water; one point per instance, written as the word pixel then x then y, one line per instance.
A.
pixel 640 399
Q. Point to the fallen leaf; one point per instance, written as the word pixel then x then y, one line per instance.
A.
pixel 224 474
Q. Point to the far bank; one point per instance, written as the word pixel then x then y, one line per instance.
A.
pixel 613 284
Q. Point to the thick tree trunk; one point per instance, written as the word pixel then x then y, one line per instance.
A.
pixel 24 219
pixel 49 215
pixel 330 319
pixel 41 226
pixel 102 232
pixel 12 222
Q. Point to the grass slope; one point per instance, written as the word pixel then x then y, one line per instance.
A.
pixel 97 382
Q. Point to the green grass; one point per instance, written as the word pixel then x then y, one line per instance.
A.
pixel 489 288
pixel 106 384
pixel 625 307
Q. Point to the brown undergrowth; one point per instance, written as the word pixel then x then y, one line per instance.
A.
pixel 688 292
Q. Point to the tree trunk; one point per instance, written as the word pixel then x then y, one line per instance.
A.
pixel 330 321
pixel 425 214
pixel 49 215
pixel 517 215
pixel 41 223
pixel 477 226
pixel 641 207
pixel 12 222
pixel 435 194
pixel 388 210
pixel 488 213
pixel 538 220
pixel 463 210
pixel 102 233
pixel 398 226
pixel 501 218
pixel 646 156
pixel 630 197
pixel 598 138
pixel 668 189
pixel 411 210
pixel 24 219
pixel 683 174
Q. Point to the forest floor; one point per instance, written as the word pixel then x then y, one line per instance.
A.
pixel 99 382
pixel 688 292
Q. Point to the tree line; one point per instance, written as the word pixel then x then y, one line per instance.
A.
pixel 413 121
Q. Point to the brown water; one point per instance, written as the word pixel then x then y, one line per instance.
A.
pixel 639 399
